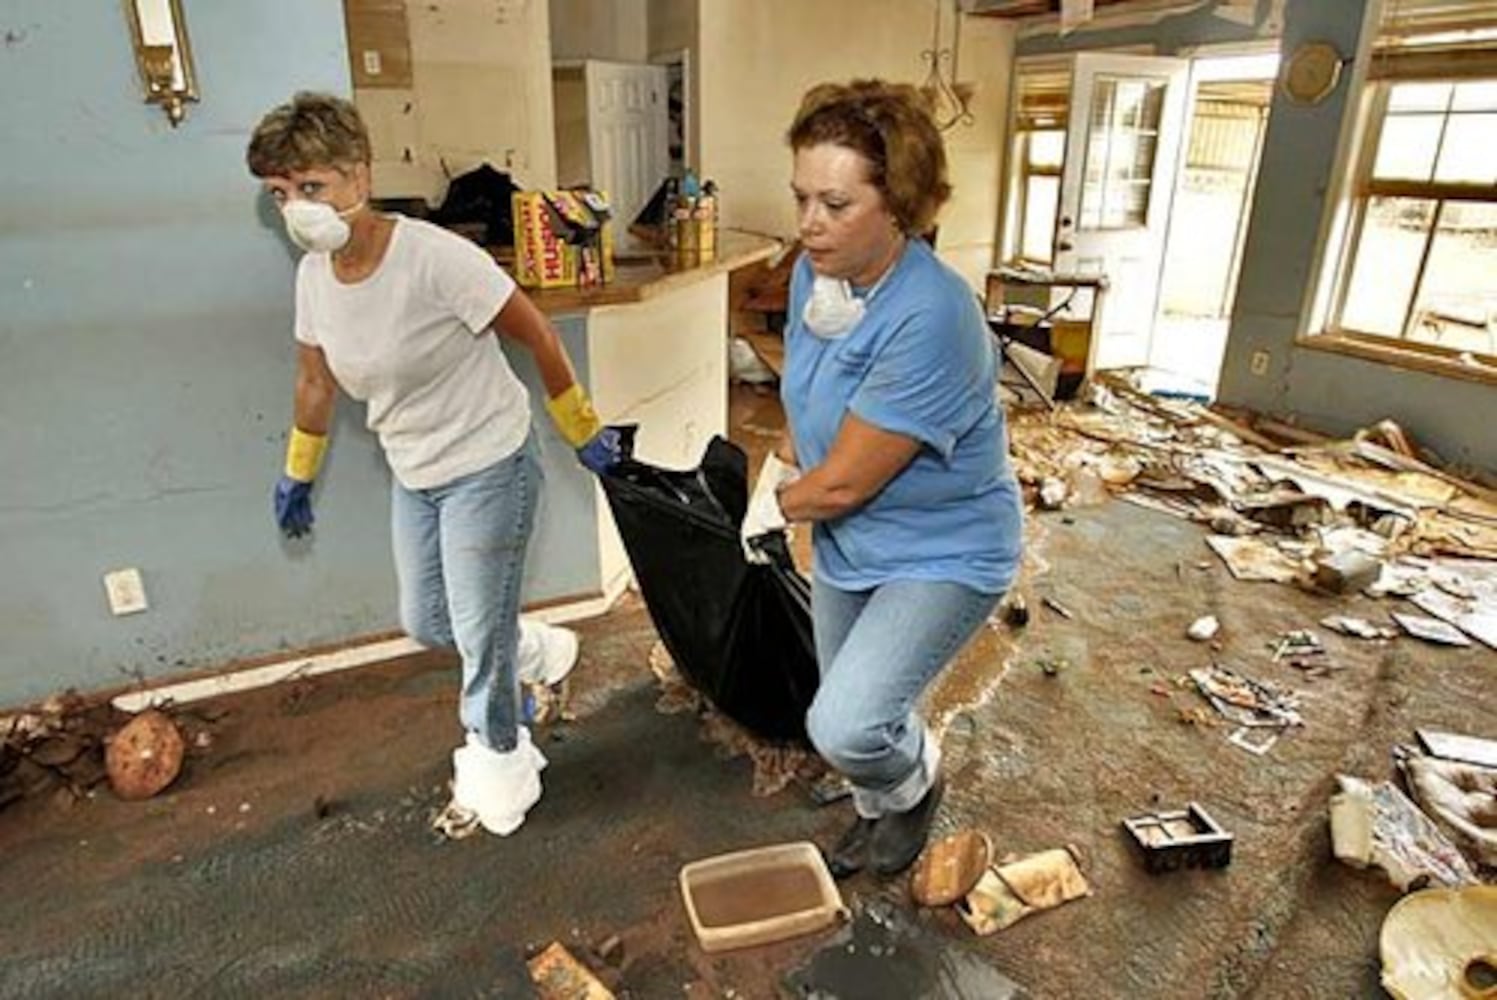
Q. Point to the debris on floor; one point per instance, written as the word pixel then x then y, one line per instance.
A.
pixel 1058 608
pixel 1245 701
pixel 1019 886
pixel 884 955
pixel 760 896
pixel 1358 628
pixel 1347 572
pixel 1460 797
pixel 59 746
pixel 776 766
pixel 1302 649
pixel 1014 609
pixel 1251 558
pixel 950 868
pixel 1182 838
pixel 559 976
pixel 1377 825
pixel 1339 517
pixel 1431 629
pixel 1441 943
pixel 1204 629
pixel 144 756
pixel 1455 746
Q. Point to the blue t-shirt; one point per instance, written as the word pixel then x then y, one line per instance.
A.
pixel 920 363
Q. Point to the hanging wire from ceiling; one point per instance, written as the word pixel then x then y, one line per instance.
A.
pixel 949 98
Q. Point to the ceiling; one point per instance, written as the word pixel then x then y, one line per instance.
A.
pixel 1023 8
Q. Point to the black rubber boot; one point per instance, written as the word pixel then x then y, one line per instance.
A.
pixel 850 855
pixel 900 837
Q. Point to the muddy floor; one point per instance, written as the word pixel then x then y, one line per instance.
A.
pixel 294 858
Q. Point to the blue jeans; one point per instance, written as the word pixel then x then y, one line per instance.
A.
pixel 878 651
pixel 459 558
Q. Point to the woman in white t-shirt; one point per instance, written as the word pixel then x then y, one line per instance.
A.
pixel 398 314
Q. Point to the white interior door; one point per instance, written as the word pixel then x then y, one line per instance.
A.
pixel 627 136
pixel 1127 116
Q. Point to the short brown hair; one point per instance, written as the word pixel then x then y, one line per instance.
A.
pixel 890 125
pixel 311 130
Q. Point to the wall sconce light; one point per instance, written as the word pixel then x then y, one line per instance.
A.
pixel 949 99
pixel 163 55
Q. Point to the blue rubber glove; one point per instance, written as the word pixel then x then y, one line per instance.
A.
pixel 602 451
pixel 293 506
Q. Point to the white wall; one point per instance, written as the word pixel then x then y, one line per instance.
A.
pixel 481 91
pixel 759 56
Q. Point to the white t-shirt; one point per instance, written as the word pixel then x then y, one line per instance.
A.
pixel 413 341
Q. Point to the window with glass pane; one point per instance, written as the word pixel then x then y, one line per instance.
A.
pixel 1123 136
pixel 1423 268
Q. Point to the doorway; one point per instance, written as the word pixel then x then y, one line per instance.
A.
pixel 1229 103
pixel 1140 169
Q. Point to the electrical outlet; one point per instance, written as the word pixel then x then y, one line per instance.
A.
pixel 126 591
pixel 1259 363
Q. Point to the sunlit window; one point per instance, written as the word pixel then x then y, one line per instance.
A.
pixel 1423 261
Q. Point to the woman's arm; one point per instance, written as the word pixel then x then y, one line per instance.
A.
pixel 316 391
pixel 862 460
pixel 522 321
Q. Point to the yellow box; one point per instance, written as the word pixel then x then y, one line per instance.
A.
pixel 1071 341
pixel 542 258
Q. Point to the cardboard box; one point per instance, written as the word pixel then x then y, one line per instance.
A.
pixel 379 43
pixel 544 258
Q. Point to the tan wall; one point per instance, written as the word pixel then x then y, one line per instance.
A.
pixel 759 56
pixel 600 29
pixel 481 91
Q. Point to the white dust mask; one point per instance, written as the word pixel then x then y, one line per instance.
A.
pixel 315 226
pixel 832 310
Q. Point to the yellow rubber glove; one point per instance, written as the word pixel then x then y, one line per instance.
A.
pixel 574 415
pixel 304 453
pixel 293 492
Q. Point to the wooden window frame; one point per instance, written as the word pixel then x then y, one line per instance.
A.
pixel 1364 187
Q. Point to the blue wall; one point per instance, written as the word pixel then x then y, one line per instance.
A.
pixel 1330 392
pixel 146 362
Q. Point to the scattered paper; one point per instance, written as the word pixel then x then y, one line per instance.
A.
pixel 1431 629
pixel 1204 629
pixel 1467 615
pixel 1252 559
pixel 1358 628
pixel 1245 701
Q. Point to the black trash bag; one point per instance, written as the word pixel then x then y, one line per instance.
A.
pixel 484 196
pixel 739 632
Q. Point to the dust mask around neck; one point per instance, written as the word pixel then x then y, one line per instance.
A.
pixel 317 227
pixel 832 310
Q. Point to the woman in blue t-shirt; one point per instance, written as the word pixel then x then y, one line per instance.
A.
pixel 894 450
